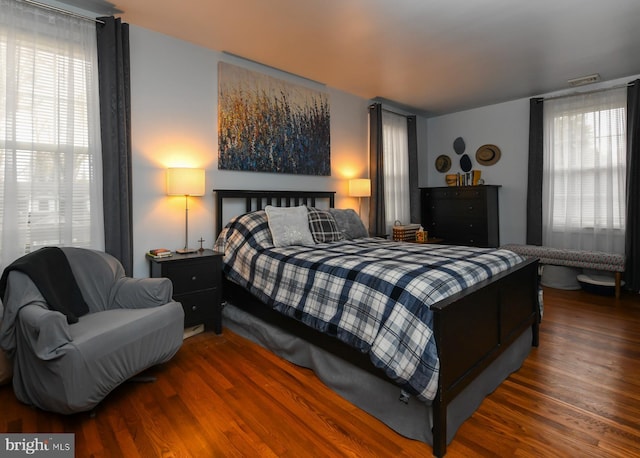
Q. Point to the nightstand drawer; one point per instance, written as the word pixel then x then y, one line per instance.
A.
pixel 198 307
pixel 192 276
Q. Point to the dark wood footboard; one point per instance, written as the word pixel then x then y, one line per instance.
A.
pixel 474 327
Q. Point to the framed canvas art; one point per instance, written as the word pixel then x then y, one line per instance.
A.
pixel 266 124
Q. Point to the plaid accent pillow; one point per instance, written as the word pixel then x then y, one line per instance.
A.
pixel 323 226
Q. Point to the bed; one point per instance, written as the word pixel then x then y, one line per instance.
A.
pixel 481 332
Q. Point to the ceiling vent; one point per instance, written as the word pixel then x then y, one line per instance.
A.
pixel 589 79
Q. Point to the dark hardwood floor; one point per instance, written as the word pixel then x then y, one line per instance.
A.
pixel 578 394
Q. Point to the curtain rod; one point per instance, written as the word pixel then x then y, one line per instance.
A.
pixel 62 11
pixel 389 110
pixel 395 112
pixel 593 91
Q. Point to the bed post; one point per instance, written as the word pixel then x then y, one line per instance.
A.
pixel 439 403
pixel 439 425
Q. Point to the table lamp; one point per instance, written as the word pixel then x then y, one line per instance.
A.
pixel 185 182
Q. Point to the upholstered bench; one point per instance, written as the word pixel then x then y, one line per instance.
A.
pixel 596 260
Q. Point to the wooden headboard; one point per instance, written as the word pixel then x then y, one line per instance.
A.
pixel 257 200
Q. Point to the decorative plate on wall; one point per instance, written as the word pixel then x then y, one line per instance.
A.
pixel 443 163
pixel 458 145
pixel 488 155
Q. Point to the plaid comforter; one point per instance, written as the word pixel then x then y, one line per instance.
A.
pixel 372 294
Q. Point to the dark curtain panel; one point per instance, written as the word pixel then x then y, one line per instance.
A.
pixel 376 171
pixel 632 232
pixel 115 124
pixel 534 184
pixel 414 191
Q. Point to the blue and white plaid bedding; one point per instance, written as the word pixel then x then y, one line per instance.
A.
pixel 372 294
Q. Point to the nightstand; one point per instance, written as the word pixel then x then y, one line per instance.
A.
pixel 197 285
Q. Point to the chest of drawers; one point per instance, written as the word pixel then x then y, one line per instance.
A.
pixel 466 215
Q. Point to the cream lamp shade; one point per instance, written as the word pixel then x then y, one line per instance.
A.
pixel 185 182
pixel 360 187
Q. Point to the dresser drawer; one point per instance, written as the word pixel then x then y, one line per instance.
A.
pixel 474 208
pixel 472 239
pixel 192 276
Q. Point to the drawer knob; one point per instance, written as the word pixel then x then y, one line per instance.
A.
pixel 194 278
pixel 194 308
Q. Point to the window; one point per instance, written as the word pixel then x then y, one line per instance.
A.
pixel 50 159
pixel 396 169
pixel 585 171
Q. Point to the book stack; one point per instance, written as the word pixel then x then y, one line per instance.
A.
pixel 160 253
pixel 405 233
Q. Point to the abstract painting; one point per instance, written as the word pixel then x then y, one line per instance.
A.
pixel 266 124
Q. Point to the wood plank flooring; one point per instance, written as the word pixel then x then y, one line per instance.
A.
pixel 578 394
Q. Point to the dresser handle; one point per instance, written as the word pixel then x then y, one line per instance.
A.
pixel 194 278
pixel 194 308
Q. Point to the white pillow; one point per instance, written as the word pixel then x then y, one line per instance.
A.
pixel 289 225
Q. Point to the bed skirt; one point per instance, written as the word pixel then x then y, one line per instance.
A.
pixel 378 397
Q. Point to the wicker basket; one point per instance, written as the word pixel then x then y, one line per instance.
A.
pixel 406 233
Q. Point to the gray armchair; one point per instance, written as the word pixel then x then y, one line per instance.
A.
pixel 132 324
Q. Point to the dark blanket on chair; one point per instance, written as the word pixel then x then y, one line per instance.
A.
pixel 50 271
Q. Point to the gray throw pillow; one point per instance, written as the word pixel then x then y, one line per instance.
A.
pixel 349 223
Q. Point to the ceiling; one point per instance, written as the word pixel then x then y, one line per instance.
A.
pixel 434 56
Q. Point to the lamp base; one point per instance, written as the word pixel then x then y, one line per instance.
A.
pixel 186 250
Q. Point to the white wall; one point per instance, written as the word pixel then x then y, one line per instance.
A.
pixel 505 125
pixel 174 123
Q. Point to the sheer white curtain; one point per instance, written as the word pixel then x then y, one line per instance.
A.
pixel 396 169
pixel 584 171
pixel 50 154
